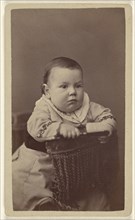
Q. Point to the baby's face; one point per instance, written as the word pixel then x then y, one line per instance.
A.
pixel 66 89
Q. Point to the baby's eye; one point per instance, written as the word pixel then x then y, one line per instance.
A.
pixel 79 85
pixel 63 86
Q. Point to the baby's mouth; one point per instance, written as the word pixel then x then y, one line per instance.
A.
pixel 72 101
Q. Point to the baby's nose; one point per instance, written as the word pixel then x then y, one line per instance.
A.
pixel 72 91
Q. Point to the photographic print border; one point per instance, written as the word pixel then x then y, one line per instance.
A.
pixel 128 113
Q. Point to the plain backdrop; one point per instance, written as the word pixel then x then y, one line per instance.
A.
pixel 93 37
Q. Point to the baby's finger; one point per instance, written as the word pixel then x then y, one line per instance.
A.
pixel 103 139
pixel 73 134
pixel 64 133
pixel 77 132
pixel 69 134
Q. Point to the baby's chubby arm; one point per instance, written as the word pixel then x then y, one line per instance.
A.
pixel 40 125
pixel 103 120
pixel 107 125
pixel 41 129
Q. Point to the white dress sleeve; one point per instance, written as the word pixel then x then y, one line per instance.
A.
pixel 40 126
pixel 103 119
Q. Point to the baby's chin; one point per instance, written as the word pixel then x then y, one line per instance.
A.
pixel 70 109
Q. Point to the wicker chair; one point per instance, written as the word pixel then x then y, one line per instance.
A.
pixel 80 163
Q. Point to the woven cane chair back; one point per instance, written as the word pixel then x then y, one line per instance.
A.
pixel 80 164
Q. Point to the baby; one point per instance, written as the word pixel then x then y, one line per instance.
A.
pixel 66 110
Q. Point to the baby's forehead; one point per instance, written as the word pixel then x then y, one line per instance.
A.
pixel 65 72
pixel 58 68
pixel 65 75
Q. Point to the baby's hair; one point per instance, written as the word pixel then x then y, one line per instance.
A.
pixel 63 62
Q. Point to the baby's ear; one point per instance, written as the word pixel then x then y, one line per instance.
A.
pixel 45 90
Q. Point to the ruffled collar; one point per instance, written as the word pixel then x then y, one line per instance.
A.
pixel 77 116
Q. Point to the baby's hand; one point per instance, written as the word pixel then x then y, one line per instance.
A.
pixel 68 131
pixel 105 139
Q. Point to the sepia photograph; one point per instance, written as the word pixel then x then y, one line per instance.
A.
pixel 67 114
